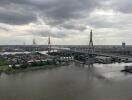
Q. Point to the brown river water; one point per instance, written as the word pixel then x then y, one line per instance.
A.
pixel 72 82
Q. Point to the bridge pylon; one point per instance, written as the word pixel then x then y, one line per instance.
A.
pixel 90 59
pixel 34 41
pixel 49 44
pixel 91 46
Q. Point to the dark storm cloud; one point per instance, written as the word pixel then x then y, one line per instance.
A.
pixel 62 14
pixel 65 10
pixel 16 18
pixel 15 14
pixel 53 12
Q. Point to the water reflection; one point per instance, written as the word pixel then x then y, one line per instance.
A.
pixel 93 73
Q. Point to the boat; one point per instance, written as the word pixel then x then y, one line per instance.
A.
pixel 127 69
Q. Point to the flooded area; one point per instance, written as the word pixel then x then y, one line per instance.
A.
pixel 72 82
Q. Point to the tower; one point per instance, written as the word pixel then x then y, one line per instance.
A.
pixel 123 45
pixel 91 47
pixel 49 44
pixel 34 42
pixel 91 57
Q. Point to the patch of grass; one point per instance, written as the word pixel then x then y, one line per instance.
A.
pixel 4 68
pixel 3 62
pixel 4 65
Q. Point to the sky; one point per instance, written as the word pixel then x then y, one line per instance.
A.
pixel 68 22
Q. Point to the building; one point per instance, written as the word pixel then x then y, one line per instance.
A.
pixel 123 44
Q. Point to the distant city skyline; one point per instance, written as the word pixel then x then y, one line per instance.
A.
pixel 67 21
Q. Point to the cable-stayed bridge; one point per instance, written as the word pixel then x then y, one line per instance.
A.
pixel 90 52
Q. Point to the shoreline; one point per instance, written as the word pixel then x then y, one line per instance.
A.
pixel 32 68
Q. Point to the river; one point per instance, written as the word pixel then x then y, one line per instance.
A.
pixel 13 53
pixel 72 82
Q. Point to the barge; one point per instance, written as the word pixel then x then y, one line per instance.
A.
pixel 127 69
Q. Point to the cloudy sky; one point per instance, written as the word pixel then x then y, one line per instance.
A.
pixel 67 21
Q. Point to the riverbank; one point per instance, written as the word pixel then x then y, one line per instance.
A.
pixel 3 68
pixel 80 62
pixel 7 70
